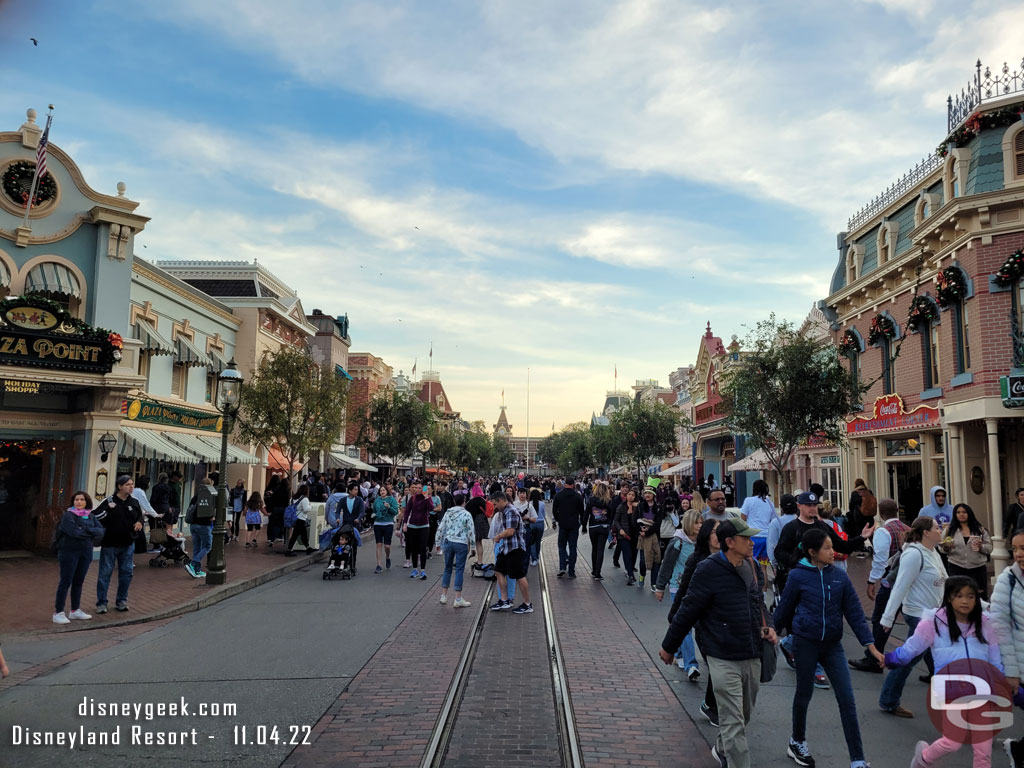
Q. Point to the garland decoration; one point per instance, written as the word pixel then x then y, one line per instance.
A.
pixel 17 182
pixel 882 327
pixel 1011 270
pixel 848 344
pixel 977 123
pixel 922 310
pixel 67 324
pixel 950 286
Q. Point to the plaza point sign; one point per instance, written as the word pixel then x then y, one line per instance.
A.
pixel 890 416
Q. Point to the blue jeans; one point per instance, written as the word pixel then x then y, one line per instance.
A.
pixel 788 643
pixel 455 555
pixel 202 542
pixel 124 556
pixel 895 679
pixel 568 537
pixel 74 564
pixel 810 654
pixel 536 534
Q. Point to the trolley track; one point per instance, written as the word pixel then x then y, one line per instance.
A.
pixel 558 703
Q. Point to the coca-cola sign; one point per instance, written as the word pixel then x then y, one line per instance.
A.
pixel 890 416
pixel 1013 391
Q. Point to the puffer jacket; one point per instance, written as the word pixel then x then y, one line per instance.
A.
pixel 727 611
pixel 673 563
pixel 816 600
pixel 933 632
pixel 1007 610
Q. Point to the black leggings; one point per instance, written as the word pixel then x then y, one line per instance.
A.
pixel 299 529
pixel 417 540
pixel 598 538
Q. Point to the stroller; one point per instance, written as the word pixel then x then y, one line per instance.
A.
pixel 342 560
pixel 171 549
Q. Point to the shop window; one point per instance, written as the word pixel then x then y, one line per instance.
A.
pixel 211 387
pixel 888 369
pixel 179 381
pixel 962 337
pixel 930 345
pixel 869 449
pixel 909 446
pixel 831 481
pixel 938 444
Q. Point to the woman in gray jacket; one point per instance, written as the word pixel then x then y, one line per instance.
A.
pixel 967 546
pixel 77 533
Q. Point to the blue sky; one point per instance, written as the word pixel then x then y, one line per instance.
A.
pixel 560 186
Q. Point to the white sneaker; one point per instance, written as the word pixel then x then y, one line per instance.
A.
pixel 79 614
pixel 681 663
pixel 60 618
pixel 444 599
pixel 460 603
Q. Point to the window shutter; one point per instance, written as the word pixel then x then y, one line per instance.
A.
pixel 1018 154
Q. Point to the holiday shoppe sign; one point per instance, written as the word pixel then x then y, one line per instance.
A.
pixel 891 416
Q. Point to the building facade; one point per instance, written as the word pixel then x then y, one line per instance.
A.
pixel 927 296
pixel 370 376
pixel 67 360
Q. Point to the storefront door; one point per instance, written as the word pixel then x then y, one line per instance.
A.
pixel 906 486
pixel 35 487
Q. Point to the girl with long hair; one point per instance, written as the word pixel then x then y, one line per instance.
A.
pixel 598 518
pixel 77 532
pixel 967 546
pixel 255 509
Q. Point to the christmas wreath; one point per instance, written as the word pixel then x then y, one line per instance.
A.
pixel 68 324
pixel 17 182
pixel 882 327
pixel 1011 270
pixel 977 123
pixel 849 344
pixel 950 286
pixel 922 310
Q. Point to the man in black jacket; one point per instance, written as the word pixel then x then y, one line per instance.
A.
pixel 121 516
pixel 725 597
pixel 567 510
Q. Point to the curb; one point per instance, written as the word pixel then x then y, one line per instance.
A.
pixel 211 598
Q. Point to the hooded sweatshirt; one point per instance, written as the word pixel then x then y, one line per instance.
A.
pixel 919 582
pixel 673 563
pixel 943 514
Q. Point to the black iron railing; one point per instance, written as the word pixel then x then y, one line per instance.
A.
pixel 985 86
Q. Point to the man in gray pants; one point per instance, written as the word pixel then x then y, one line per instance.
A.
pixel 725 597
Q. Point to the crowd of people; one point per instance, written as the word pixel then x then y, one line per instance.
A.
pixel 745 583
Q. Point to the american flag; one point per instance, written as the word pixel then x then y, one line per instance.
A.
pixel 41 152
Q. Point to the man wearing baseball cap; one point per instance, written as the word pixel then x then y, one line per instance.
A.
pixel 725 599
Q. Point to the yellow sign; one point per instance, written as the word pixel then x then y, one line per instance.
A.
pixel 159 413
pixel 31 318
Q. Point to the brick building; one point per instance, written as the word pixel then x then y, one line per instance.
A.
pixel 926 305
pixel 370 375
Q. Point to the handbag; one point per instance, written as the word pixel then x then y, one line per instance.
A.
pixel 769 656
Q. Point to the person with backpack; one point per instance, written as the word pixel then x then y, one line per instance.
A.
pixel 1007 611
pixel 297 514
pixel 887 540
pixel 916 588
pixel 674 564
pixel 863 505
pixel 201 511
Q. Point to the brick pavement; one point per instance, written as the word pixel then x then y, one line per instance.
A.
pixel 31 582
pixel 385 716
pixel 507 715
pixel 626 714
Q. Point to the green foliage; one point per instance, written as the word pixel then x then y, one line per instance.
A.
pixel 786 388
pixel 391 424
pixel 444 445
pixel 644 432
pixel 605 447
pixel 293 403
pixel 552 447
pixel 501 454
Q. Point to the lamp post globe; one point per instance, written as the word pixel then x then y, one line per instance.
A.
pixel 229 387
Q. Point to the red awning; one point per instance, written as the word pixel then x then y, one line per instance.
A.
pixel 277 460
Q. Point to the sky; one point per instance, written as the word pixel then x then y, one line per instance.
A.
pixel 549 191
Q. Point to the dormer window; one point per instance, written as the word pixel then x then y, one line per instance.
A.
pixel 884 249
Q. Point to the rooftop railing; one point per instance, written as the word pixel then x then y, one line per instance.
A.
pixel 985 86
pixel 909 180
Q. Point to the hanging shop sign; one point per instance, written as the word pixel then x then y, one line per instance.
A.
pixel 40 333
pixel 171 415
pixel 834 459
pixel 1012 388
pixel 890 416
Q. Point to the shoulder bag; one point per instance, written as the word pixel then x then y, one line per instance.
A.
pixel 769 656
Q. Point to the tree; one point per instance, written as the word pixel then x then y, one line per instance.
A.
pixel 645 431
pixel 501 454
pixel 605 447
pixel 444 445
pixel 294 404
pixel 785 389
pixel 576 455
pixel 391 423
pixel 475 450
pixel 551 448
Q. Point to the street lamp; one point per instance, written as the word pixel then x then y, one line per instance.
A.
pixel 107 444
pixel 229 385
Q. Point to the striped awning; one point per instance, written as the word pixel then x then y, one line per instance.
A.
pixel 138 443
pixel 351 463
pixel 152 342
pixel 340 370
pixel 195 444
pixel 189 355
pixel 50 277
pixel 236 455
pixel 5 276
pixel 218 362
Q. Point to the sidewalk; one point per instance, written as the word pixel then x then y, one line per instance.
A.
pixel 30 585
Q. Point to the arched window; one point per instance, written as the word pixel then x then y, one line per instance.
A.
pixel 962 336
pixel 884 249
pixel 888 369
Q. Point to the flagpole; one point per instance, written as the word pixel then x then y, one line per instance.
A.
pixel 527 421
pixel 35 174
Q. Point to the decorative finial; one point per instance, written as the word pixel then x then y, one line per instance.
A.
pixel 708 331
pixel 121 187
pixel 30 114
